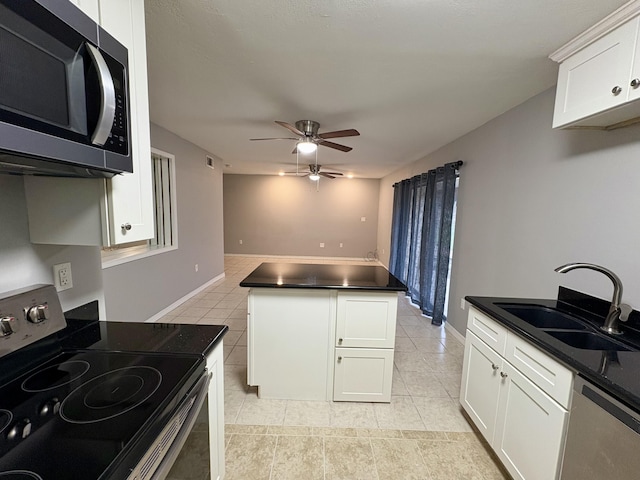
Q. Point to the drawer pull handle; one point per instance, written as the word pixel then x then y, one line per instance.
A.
pixel 616 90
pixel 494 366
pixel 503 375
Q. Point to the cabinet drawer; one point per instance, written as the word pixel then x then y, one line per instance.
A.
pixel 488 330
pixel 548 374
pixel 366 320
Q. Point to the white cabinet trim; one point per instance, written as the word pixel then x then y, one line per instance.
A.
pixel 600 29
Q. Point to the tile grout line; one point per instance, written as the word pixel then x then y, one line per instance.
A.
pixel 273 458
pixel 373 455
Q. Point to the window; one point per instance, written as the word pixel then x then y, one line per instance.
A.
pixel 163 166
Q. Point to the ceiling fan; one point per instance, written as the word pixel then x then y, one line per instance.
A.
pixel 309 138
pixel 315 173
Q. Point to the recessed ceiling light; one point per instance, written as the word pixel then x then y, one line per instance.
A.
pixel 349 175
pixel 281 174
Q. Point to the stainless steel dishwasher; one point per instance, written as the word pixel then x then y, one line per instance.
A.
pixel 603 438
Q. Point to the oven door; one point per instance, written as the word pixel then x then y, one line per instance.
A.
pixel 166 458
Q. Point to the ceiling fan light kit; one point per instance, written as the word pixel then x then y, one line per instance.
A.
pixel 306 147
pixel 308 136
pixel 314 177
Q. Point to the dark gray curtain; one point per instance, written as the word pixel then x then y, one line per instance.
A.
pixel 421 231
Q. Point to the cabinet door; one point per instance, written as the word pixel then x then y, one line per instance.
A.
pixel 634 80
pixel 480 388
pixel 130 195
pixel 290 343
pixel 586 80
pixel 363 375
pixel 366 320
pixel 216 412
pixel 530 428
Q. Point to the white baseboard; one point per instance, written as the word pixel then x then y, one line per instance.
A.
pixel 180 301
pixel 455 333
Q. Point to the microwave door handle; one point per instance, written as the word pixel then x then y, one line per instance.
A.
pixel 108 100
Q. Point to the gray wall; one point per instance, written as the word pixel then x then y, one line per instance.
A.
pixel 532 198
pixel 24 264
pixel 275 215
pixel 137 290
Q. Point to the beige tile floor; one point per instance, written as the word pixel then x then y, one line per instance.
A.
pixel 421 434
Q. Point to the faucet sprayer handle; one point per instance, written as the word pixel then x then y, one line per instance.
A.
pixel 625 311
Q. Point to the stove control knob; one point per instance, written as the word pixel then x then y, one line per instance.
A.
pixel 38 314
pixel 20 430
pixel 50 407
pixel 7 326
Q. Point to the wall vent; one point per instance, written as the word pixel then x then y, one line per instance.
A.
pixel 210 162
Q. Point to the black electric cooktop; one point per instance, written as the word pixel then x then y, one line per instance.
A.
pixel 81 415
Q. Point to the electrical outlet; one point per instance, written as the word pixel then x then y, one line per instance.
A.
pixel 240 242
pixel 196 267
pixel 363 219
pixel 322 245
pixel 62 278
pixel 340 244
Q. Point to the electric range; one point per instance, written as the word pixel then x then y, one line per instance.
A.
pixel 85 414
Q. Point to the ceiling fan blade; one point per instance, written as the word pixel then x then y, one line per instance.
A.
pixel 279 138
pixel 325 174
pixel 337 146
pixel 333 173
pixel 290 128
pixel 339 133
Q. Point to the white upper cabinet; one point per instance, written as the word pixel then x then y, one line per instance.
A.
pixel 599 75
pixel 63 210
pixel 129 201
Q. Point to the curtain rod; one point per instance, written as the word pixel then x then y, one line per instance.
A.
pixel 455 165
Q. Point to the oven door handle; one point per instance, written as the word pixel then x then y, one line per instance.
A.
pixel 200 390
pixel 108 99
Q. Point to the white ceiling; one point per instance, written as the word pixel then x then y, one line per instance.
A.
pixel 410 75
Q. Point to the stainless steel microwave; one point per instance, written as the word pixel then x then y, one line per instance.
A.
pixel 64 96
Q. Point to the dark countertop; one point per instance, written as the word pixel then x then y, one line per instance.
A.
pixel 323 276
pixel 617 373
pixel 84 331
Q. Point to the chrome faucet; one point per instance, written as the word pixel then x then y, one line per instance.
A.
pixel 611 321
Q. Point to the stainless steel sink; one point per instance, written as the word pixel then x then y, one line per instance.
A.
pixel 588 341
pixel 543 317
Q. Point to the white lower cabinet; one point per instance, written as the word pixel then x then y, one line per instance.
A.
pixel 365 341
pixel 480 389
pixel 216 412
pixel 513 410
pixel 530 428
pixel 316 344
pixel 363 374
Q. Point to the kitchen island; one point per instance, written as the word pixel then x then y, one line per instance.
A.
pixel 321 332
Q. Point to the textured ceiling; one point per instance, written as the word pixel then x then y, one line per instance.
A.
pixel 410 75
